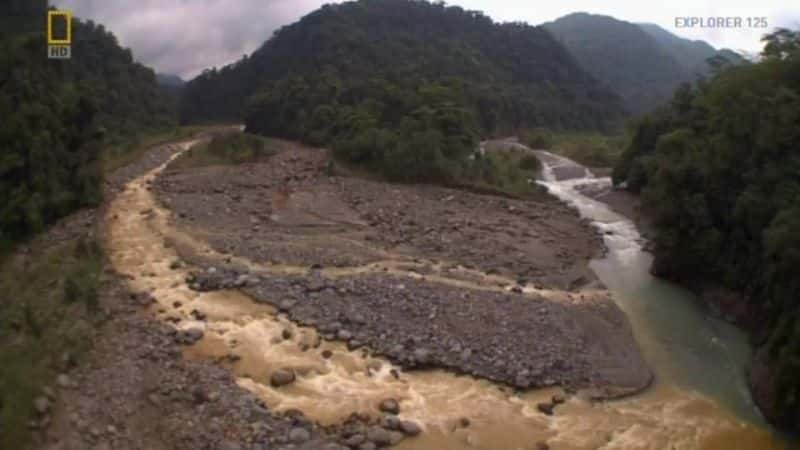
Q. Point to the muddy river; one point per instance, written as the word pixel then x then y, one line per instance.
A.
pixel 698 401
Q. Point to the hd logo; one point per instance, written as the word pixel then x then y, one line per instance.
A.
pixel 59 34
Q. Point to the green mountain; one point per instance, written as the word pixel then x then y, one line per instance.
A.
pixel 623 56
pixel 642 63
pixel 692 55
pixel 57 115
pixel 719 172
pixel 508 76
pixel 403 87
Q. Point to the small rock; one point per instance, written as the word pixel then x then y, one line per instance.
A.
pixel 199 395
pixel 344 335
pixel 391 422
pixel 327 354
pixel 367 446
pixel 421 355
pixel 48 392
pixel 229 445
pixel 282 377
pixel 542 446
pixel 395 437
pixel 379 436
pixel 410 428
pixel 545 408
pixel 286 305
pixel 63 381
pixel 355 440
pixel 189 336
pixel 299 435
pixel 41 405
pixel 389 406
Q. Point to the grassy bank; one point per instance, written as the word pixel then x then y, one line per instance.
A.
pixel 227 149
pixel 588 149
pixel 48 311
pixel 49 298
pixel 120 152
pixel 507 171
pixel 497 172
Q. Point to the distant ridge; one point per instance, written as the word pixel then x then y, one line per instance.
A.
pixel 643 63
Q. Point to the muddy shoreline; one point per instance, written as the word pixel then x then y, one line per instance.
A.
pixel 136 391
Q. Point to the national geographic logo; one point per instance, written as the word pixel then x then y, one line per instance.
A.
pixel 59 34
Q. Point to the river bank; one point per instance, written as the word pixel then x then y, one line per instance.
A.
pixel 715 300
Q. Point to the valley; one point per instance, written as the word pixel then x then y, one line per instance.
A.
pixel 404 224
pixel 253 332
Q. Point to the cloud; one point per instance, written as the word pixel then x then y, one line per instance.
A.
pixel 184 37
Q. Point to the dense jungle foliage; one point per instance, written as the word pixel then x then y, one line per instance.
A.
pixel 720 171
pixel 57 115
pixel 405 86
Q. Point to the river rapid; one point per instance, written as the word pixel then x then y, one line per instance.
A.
pixel 698 401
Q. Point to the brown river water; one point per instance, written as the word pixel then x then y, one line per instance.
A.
pixel 667 416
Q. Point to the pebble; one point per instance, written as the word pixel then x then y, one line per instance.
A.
pixel 545 408
pixel 410 428
pixel 379 436
pixel 355 440
pixel 41 405
pixel 63 381
pixel 299 435
pixel 282 377
pixel 389 406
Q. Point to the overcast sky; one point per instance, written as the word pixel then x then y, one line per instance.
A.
pixel 185 36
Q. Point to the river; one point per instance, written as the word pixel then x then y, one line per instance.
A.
pixel 698 402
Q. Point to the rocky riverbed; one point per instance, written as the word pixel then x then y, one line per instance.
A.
pixel 503 295
pixel 289 211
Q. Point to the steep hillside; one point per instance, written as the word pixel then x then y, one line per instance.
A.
pixel 171 85
pixel 692 55
pixel 507 76
pixel 59 114
pixel 623 56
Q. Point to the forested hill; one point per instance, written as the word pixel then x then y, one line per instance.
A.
pixel 386 58
pixel 56 116
pixel 719 172
pixel 642 63
pixel 691 55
